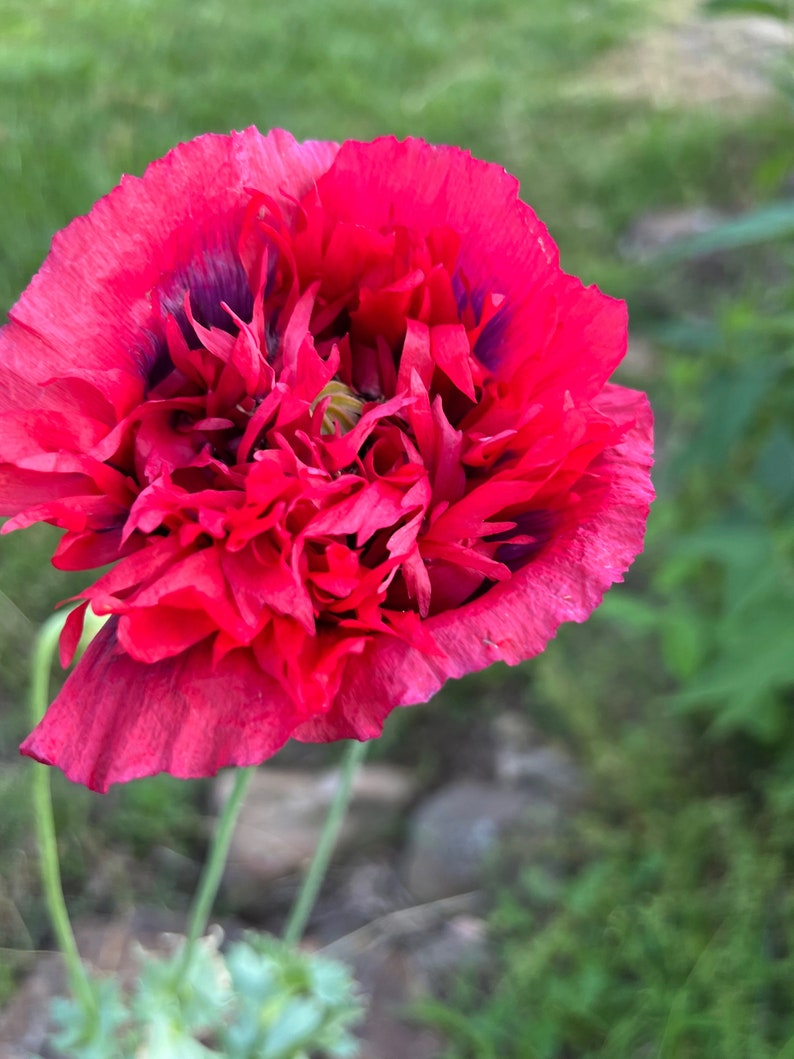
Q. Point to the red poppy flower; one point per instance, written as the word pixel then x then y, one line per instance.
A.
pixel 342 424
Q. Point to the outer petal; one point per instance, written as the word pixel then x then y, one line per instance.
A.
pixel 92 316
pixel 117 719
pixel 91 302
pixel 515 619
pixel 576 333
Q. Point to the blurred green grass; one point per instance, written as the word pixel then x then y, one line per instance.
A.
pixel 90 90
pixel 673 936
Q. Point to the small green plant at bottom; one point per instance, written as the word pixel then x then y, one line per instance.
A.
pixel 260 999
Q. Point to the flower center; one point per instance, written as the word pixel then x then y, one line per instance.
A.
pixel 343 409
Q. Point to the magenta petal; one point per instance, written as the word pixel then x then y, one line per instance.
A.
pixel 117 719
pixel 21 489
pixel 103 267
pixel 515 619
pixel 29 366
pixel 415 184
pixel 112 272
pixel 505 251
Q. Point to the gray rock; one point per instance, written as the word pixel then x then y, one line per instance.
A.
pixel 521 758
pixel 283 814
pixel 392 984
pixel 404 957
pixel 373 889
pixel 461 943
pixel 657 230
pixel 455 833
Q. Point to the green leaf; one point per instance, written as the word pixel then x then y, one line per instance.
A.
pixel 764 225
pixel 745 681
pixel 287 1004
pixel 683 641
pixel 775 466
pixel 774 8
pixel 194 1000
pixel 731 402
pixel 166 1038
pixel 635 613
pixel 294 1029
pixel 253 975
pixel 91 1035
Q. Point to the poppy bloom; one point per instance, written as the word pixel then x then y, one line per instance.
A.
pixel 342 425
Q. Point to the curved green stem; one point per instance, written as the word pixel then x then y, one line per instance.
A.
pixel 43 652
pixel 213 869
pixel 313 879
pixel 41 663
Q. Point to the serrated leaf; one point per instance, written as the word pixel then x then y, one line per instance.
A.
pixel 744 684
pixel 744 552
pixel 254 975
pixel 194 998
pixel 287 1004
pixel 167 1039
pixel 83 1034
pixel 294 1029
pixel 330 982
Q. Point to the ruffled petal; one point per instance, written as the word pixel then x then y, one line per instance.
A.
pixel 574 332
pixel 514 620
pixel 117 719
pixel 88 332
pixel 173 229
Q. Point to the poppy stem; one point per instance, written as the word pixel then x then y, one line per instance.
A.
pixel 44 648
pixel 313 880
pixel 213 868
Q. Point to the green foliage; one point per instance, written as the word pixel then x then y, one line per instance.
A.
pixel 288 1004
pixel 91 1034
pixel 158 811
pixel 763 225
pixel 672 933
pixel 90 90
pixel 675 939
pixel 721 598
pixel 261 1000
pixel 781 9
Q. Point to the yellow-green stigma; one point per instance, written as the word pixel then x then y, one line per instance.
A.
pixel 344 409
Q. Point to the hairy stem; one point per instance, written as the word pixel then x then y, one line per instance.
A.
pixel 213 869
pixel 313 879
pixel 41 663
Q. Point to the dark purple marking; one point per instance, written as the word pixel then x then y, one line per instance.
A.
pixel 539 526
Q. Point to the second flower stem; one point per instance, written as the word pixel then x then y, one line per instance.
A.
pixel 310 887
pixel 213 869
